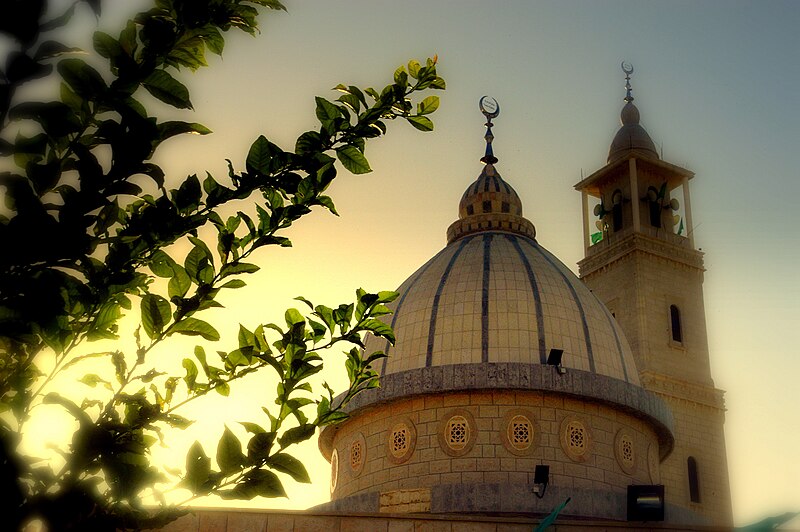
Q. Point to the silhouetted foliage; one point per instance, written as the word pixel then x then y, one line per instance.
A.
pixel 87 236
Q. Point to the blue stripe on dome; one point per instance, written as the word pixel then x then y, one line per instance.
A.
pixel 439 289
pixel 537 299
pixel 610 319
pixel 487 249
pixel 575 298
pixel 396 313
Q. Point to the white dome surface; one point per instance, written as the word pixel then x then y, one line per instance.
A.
pixel 498 296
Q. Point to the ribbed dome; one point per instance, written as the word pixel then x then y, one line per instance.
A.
pixel 489 194
pixel 489 203
pixel 631 137
pixel 493 294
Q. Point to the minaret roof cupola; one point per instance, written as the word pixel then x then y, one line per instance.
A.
pixel 489 203
pixel 631 137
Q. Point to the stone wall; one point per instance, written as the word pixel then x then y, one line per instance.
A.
pixel 638 279
pixel 493 441
pixel 233 520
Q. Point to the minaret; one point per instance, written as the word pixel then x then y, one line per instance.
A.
pixel 641 261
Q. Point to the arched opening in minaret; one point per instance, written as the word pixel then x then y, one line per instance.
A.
pixel 675 322
pixel 694 484
pixel 616 210
pixel 655 207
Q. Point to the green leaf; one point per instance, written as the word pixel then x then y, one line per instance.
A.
pixel 169 90
pixel 180 282
pixel 253 428
pixel 51 49
pixel 353 159
pixel 259 156
pixel 428 105
pixel 54 398
pixel 229 453
pixel 223 388
pixel 104 324
pixel 195 327
pixel 77 359
pixel 259 445
pixel 198 467
pixel 308 143
pixel 156 313
pixel 106 45
pixel 59 20
pixel 175 127
pixel 161 264
pixel 379 328
pixel 401 77
pixel 293 317
pixel 297 434
pixel 214 41
pixel 413 68
pixel 421 122
pixel 92 380
pixel 191 373
pixel 290 465
pixel 238 267
pixel 83 79
pixel 178 422
pixel 326 111
pixel 438 83
pixel 262 483
pixel 120 366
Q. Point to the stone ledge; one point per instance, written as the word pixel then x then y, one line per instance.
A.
pixel 517 499
pixel 498 376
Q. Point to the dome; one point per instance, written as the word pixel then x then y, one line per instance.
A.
pixel 467 403
pixel 494 294
pixel 631 137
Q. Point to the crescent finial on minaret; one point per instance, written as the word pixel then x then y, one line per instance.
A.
pixel 628 69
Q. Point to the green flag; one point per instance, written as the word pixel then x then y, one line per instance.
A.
pixel 550 519
pixel 680 227
pixel 770 523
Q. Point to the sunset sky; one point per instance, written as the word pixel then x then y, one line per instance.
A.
pixel 716 83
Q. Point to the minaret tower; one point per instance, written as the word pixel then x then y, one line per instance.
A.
pixel 641 261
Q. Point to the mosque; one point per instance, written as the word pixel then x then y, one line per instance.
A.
pixel 516 387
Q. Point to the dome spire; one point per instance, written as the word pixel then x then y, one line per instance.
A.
pixel 631 137
pixel 628 69
pixel 489 203
pixel 490 109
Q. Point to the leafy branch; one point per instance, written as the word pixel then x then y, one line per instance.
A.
pixel 94 224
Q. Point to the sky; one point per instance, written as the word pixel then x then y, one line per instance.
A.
pixel 716 85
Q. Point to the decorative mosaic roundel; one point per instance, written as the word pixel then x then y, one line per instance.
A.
pixel 624 451
pixel 575 439
pixel 457 432
pixel 358 450
pixel 334 470
pixel 518 432
pixel 401 441
pixel 398 441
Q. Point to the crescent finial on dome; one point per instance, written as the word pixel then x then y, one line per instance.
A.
pixel 490 109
